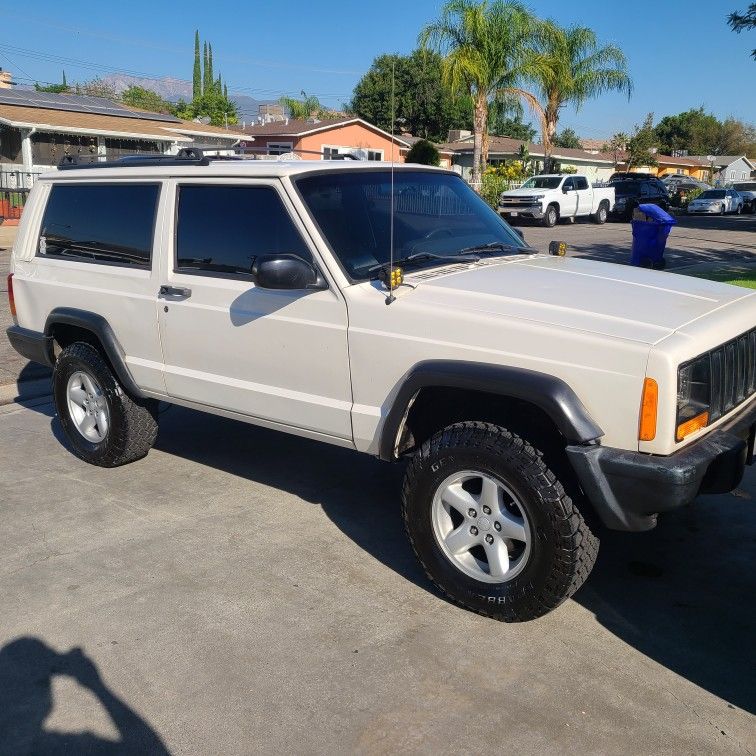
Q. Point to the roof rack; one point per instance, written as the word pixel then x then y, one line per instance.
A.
pixel 185 156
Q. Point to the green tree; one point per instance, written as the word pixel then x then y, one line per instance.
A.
pixel 219 109
pixel 573 67
pixel 742 21
pixel 694 130
pixel 204 67
pixel 505 114
pixel 424 106
pixel 302 109
pixel 53 88
pixel 209 78
pixel 146 99
pixel 485 48
pixel 616 147
pixel 424 153
pixel 642 144
pixel 197 73
pixel 568 138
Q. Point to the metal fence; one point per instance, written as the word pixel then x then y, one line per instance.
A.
pixel 14 191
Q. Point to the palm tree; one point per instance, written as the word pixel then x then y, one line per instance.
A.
pixel 571 68
pixel 486 54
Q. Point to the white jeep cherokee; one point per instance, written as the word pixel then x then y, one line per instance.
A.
pixel 533 397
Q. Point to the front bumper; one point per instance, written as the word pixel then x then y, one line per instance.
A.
pixel 629 489
pixel 520 211
pixel 704 210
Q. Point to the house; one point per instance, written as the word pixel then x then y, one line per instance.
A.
pixel 668 165
pixel 321 139
pixel 37 129
pixel 597 167
pixel 729 168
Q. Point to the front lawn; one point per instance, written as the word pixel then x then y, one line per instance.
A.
pixel 736 277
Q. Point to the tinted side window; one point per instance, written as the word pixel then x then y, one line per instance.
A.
pixel 582 182
pixel 102 223
pixel 222 229
pixel 568 184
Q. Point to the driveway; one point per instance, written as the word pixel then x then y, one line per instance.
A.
pixel 241 591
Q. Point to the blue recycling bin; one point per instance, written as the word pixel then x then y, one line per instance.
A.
pixel 650 237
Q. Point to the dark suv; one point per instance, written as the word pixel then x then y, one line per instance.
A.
pixel 629 193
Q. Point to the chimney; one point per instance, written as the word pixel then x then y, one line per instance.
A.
pixel 6 80
pixel 455 135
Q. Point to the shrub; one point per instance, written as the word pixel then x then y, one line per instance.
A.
pixel 424 153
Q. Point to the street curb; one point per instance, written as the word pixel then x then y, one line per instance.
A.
pixel 25 390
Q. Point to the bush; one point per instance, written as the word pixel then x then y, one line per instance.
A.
pixel 423 152
pixel 681 199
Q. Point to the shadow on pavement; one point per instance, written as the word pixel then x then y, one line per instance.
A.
pixel 27 668
pixel 681 594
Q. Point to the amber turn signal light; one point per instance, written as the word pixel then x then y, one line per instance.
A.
pixel 649 405
pixel 692 425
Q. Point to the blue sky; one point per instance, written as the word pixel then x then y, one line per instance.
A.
pixel 684 57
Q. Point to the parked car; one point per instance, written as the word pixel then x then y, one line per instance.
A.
pixel 630 176
pixel 553 197
pixel 676 182
pixel 526 393
pixel 747 190
pixel 628 194
pixel 716 202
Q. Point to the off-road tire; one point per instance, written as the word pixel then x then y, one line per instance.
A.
pixel 563 549
pixel 550 217
pixel 133 423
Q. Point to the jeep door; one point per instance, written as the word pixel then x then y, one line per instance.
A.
pixel 569 203
pixel 278 356
pixel 585 195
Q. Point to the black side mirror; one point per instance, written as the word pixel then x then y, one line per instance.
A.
pixel 285 272
pixel 565 189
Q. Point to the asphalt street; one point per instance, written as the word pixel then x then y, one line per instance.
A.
pixel 242 591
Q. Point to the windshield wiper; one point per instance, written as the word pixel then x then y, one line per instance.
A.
pixel 494 247
pixel 418 256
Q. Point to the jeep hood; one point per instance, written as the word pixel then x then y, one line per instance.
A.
pixel 524 192
pixel 597 297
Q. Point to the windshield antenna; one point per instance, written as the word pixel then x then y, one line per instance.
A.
pixel 390 298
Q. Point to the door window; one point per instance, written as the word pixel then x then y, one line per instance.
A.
pixel 110 224
pixel 221 230
pixel 569 184
pixel 581 182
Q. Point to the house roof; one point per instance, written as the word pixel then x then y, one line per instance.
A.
pixel 300 128
pixel 443 148
pixel 509 146
pixel 76 122
pixel 722 161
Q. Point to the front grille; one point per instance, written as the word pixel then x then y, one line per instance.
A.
pixel 733 374
pixel 520 200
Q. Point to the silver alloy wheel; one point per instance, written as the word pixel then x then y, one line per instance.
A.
pixel 88 407
pixel 602 213
pixel 475 515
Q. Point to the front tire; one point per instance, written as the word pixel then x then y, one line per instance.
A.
pixel 551 216
pixel 601 215
pixel 492 525
pixel 103 424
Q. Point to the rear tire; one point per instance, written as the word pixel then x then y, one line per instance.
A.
pixel 601 215
pixel 549 548
pixel 103 424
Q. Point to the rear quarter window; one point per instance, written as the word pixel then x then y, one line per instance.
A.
pixel 111 224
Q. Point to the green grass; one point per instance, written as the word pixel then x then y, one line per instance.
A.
pixel 734 277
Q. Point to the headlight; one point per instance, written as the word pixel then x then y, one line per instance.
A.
pixel 693 396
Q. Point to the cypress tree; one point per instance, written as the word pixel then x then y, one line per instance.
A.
pixel 197 78
pixel 210 80
pixel 204 69
pixel 65 83
pixel 225 92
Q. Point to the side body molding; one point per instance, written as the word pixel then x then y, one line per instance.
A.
pixel 96 324
pixel 550 394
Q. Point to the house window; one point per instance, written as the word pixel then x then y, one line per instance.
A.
pixel 331 153
pixel 377 155
pixel 279 148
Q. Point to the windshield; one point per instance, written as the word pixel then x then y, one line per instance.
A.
pixel 712 194
pixel 748 186
pixel 542 182
pixel 630 188
pixel 434 214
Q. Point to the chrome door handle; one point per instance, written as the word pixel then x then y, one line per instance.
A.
pixel 175 291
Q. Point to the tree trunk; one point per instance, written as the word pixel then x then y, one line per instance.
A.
pixel 480 139
pixel 551 116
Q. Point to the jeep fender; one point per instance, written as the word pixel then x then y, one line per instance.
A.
pixel 550 394
pixel 97 325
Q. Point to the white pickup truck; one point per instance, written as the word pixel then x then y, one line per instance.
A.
pixel 551 197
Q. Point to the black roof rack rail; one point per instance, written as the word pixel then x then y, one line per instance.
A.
pixel 185 156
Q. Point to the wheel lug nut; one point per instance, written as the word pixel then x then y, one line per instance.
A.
pixel 472 512
pixel 473 530
pixel 486 510
pixel 497 526
pixel 489 538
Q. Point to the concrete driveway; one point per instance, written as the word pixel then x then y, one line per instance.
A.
pixel 241 591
